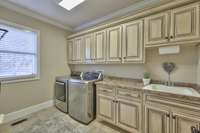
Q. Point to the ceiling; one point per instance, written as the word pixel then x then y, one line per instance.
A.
pixel 86 14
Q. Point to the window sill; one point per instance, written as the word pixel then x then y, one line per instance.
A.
pixel 20 80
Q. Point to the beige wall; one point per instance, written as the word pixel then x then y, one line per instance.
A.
pixel 186 62
pixel 16 96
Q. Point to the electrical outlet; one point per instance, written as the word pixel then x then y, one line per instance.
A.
pixel 1 118
pixel 101 71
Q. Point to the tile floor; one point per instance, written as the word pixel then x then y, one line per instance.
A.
pixel 53 121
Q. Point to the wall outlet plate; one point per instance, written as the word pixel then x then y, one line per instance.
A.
pixel 1 118
pixel 101 71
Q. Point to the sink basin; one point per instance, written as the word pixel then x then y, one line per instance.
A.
pixel 173 89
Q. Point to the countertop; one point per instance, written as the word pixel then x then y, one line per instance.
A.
pixel 122 83
pixel 137 84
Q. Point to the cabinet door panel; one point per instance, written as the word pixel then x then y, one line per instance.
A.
pixel 77 50
pixel 70 51
pixel 106 108
pixel 185 23
pixel 156 120
pixel 156 29
pixel 100 41
pixel 129 115
pixel 88 48
pixel 133 48
pixel 182 123
pixel 114 44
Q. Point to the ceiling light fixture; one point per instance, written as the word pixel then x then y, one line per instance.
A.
pixel 70 4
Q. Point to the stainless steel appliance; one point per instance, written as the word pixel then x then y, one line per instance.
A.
pixel 61 93
pixel 82 96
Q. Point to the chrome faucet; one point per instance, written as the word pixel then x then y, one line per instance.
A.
pixel 169 67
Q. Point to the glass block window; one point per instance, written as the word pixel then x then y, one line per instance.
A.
pixel 18 52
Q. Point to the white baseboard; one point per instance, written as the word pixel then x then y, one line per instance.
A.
pixel 27 111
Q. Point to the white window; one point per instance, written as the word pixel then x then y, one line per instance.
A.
pixel 19 52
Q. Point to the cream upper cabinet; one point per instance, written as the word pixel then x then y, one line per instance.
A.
pixel 88 48
pixel 128 115
pixel 157 120
pixel 133 46
pixel 156 29
pixel 182 122
pixel 100 46
pixel 185 23
pixel 177 25
pixel 70 51
pixel 77 50
pixel 114 41
pixel 106 108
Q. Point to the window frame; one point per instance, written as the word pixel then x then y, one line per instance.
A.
pixel 25 77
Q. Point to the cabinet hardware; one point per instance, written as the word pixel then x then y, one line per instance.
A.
pixel 174 116
pixel 128 94
pixel 168 115
pixel 171 37
pixel 166 37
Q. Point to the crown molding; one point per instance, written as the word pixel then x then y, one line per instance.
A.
pixel 130 9
pixel 30 13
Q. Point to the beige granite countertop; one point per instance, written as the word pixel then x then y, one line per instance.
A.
pixel 122 83
pixel 137 84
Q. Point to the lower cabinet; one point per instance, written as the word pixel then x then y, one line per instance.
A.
pixel 106 108
pixel 123 113
pixel 138 112
pixel 161 117
pixel 182 123
pixel 128 115
pixel 156 120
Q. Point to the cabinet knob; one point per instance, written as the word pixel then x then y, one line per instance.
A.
pixel 171 37
pixel 168 115
pixel 166 37
pixel 174 117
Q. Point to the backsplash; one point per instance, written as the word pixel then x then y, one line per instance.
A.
pixel 186 70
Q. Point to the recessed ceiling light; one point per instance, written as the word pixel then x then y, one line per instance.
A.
pixel 69 4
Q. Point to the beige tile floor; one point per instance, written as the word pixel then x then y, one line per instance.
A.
pixel 53 121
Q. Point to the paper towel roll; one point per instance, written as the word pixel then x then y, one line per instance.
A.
pixel 169 50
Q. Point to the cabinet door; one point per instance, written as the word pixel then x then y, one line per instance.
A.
pixel 70 51
pixel 185 23
pixel 88 48
pixel 182 123
pixel 156 120
pixel 100 44
pixel 129 115
pixel 156 30
pixel 77 50
pixel 106 108
pixel 133 48
pixel 114 38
